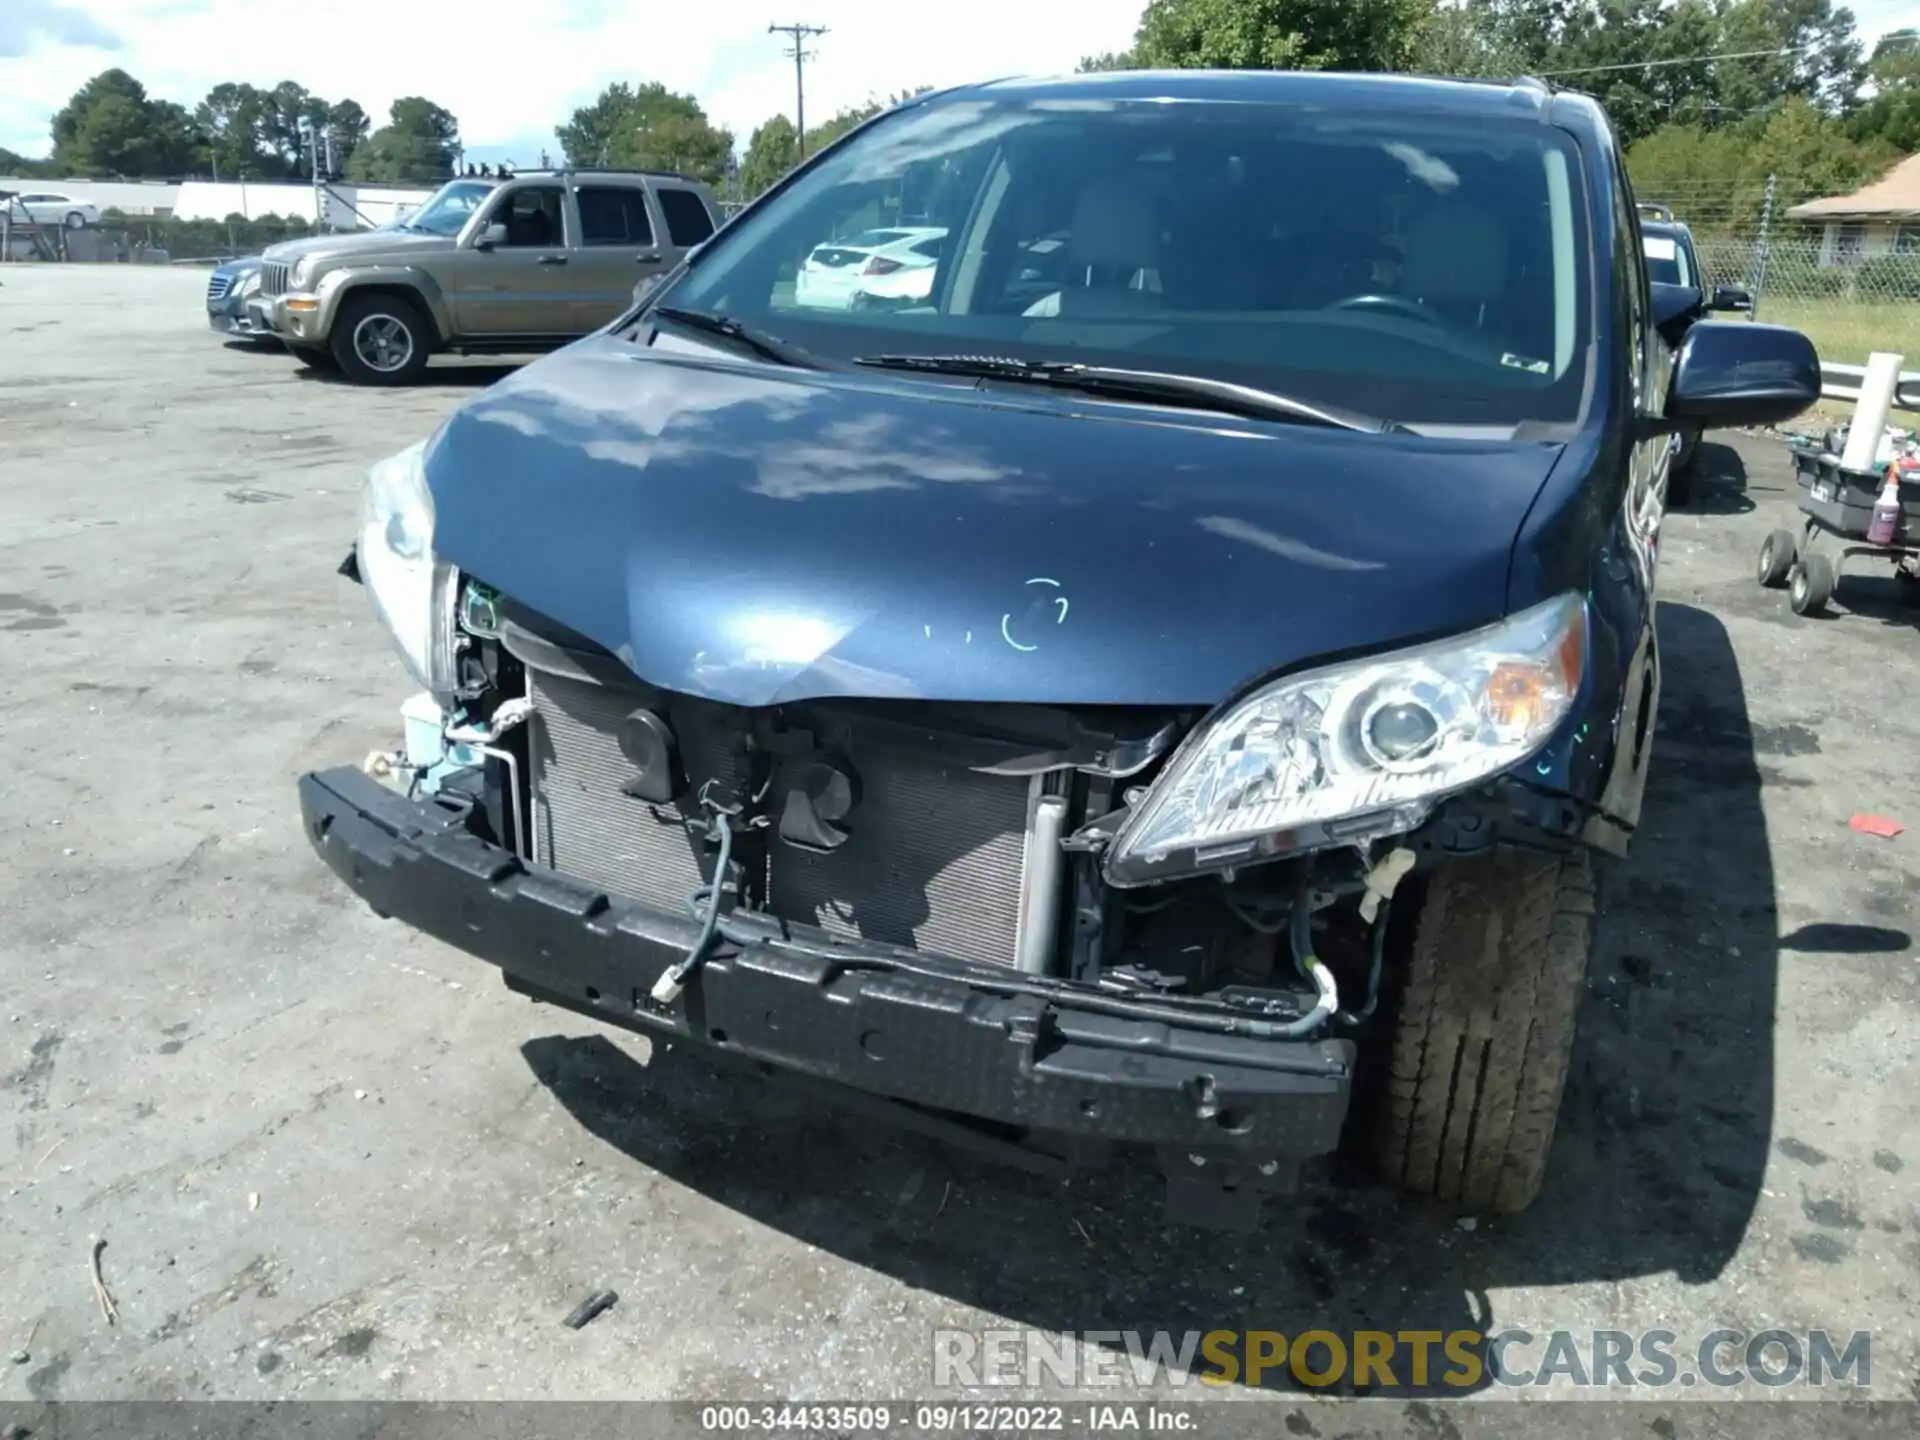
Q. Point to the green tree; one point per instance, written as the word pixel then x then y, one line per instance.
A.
pixel 349 125
pixel 1893 114
pixel 1695 169
pixel 587 139
pixel 1717 179
pixel 824 134
pixel 291 115
pixel 668 139
pixel 1472 38
pixel 416 146
pixel 19 166
pixel 111 127
pixel 1810 155
pixel 1280 34
pixel 232 123
pixel 648 127
pixel 1817 55
pixel 1639 58
pixel 771 152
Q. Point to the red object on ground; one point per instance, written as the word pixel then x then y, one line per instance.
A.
pixel 1877 825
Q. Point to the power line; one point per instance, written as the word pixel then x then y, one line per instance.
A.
pixel 800 54
pixel 1681 60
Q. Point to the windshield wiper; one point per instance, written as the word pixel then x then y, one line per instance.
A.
pixel 1197 392
pixel 768 347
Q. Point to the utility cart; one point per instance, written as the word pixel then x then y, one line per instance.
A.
pixel 1837 501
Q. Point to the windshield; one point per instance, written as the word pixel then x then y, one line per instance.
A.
pixel 1417 267
pixel 449 209
pixel 1667 261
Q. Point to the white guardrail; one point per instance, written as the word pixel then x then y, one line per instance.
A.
pixel 1842 382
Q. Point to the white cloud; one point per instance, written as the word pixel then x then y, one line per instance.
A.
pixel 511 74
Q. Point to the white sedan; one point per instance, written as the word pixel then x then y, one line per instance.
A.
pixel 833 273
pixel 44 207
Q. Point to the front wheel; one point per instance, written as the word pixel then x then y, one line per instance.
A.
pixel 1483 1031
pixel 381 339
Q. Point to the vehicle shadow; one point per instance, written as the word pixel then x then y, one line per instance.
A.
pixel 453 374
pixel 1658 1161
pixel 1719 482
pixel 1868 590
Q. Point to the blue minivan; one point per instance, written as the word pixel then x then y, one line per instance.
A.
pixel 1154 695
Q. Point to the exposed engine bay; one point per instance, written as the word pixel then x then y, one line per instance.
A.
pixel 958 838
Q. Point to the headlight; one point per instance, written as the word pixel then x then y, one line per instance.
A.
pixel 302 271
pixel 1356 750
pixel 249 284
pixel 412 591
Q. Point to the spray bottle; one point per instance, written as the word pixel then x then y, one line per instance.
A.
pixel 1887 510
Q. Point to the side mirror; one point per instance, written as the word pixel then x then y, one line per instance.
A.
pixel 494 234
pixel 1732 297
pixel 1674 308
pixel 1732 373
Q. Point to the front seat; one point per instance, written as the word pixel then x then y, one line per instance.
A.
pixel 1457 267
pixel 1113 255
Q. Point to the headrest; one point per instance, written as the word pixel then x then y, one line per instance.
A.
pixel 1114 224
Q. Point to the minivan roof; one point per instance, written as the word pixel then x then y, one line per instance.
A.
pixel 1358 91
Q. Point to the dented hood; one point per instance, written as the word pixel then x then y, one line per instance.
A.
pixel 758 535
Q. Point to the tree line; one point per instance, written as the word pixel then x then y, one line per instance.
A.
pixel 113 128
pixel 1712 97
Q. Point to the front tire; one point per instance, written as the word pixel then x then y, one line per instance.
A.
pixel 381 340
pixel 1484 1029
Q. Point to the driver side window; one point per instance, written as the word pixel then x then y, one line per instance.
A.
pixel 533 217
pixel 1630 270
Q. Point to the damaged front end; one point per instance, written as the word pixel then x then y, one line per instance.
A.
pixel 1047 931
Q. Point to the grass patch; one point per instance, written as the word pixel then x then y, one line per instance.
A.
pixel 1847 331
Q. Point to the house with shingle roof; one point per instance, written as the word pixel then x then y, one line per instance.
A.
pixel 1878 219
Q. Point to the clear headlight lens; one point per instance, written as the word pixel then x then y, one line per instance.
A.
pixel 249 283
pixel 302 271
pixel 1358 749
pixel 411 589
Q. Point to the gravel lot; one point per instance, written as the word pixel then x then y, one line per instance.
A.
pixel 332 1159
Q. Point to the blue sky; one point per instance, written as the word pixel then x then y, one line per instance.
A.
pixel 511 73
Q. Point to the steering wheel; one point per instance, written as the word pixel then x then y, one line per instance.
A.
pixel 1396 303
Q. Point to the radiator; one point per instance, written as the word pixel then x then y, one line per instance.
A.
pixel 585 825
pixel 933 862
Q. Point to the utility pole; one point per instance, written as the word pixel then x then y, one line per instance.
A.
pixel 800 34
